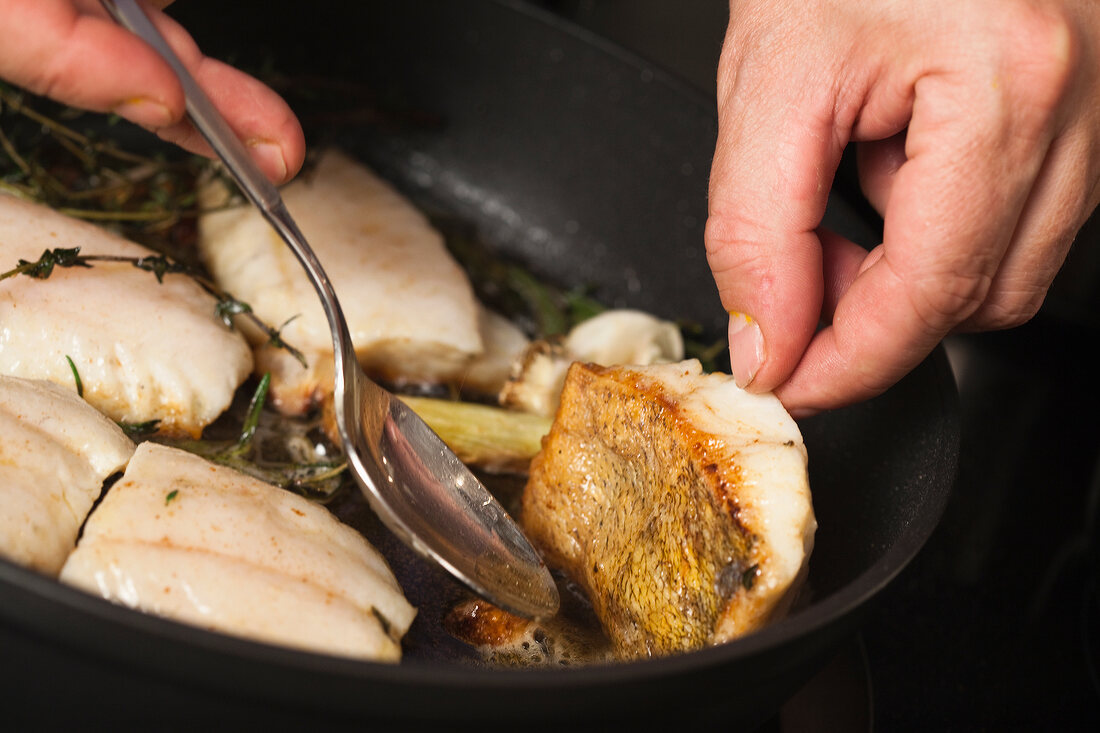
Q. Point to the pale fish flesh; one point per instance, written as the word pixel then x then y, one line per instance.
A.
pixel 203 544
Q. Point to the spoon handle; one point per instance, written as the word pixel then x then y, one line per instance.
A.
pixel 396 458
pixel 201 110
pixel 251 180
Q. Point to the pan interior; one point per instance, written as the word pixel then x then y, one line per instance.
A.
pixel 589 166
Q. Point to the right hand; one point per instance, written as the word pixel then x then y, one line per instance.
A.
pixel 979 128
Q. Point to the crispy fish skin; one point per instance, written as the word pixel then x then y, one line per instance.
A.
pixel 679 502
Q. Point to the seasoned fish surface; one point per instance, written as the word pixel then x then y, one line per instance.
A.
pixel 144 350
pixel 55 452
pixel 183 538
pixel 678 501
pixel 409 306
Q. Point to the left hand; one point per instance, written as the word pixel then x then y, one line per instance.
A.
pixel 71 51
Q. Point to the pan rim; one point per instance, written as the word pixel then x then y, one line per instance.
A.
pixel 820 614
pixel 829 610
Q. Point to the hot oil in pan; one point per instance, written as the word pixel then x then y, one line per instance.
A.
pixel 452 624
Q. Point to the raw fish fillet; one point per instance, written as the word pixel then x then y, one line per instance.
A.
pixel 678 501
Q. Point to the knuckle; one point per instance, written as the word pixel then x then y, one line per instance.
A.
pixel 1045 51
pixel 1008 310
pixel 943 301
pixel 732 240
pixel 737 252
pixel 51 80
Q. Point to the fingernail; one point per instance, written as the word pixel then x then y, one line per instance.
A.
pixel 144 112
pixel 746 348
pixel 269 157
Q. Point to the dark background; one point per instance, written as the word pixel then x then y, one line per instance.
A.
pixel 996 624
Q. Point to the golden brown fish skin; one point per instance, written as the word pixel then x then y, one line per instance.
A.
pixel 660 569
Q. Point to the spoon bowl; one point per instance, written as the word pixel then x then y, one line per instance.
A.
pixel 412 480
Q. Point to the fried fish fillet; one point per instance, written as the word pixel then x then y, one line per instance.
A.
pixel 55 452
pixel 410 308
pixel 678 501
pixel 144 350
pixel 181 537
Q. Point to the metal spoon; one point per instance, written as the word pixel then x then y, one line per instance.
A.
pixel 413 481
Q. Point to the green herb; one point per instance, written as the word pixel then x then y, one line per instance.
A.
pixel 226 306
pixel 160 265
pixel 79 173
pixel 582 306
pixel 252 420
pixel 508 287
pixel 262 444
pixel 275 338
pixel 318 480
pixel 139 429
pixel 76 377
pixel 543 309
pixel 42 268
pixel 171 496
pixel 712 354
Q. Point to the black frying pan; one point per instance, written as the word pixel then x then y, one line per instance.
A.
pixel 590 166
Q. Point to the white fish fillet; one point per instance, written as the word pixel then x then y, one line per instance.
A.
pixel 55 452
pixel 204 544
pixel 144 350
pixel 409 306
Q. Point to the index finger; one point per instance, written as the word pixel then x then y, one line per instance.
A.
pixel 71 51
pixel 972 155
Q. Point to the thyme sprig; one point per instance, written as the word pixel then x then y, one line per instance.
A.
pixel 225 307
pixel 252 419
pixel 249 452
pixel 89 175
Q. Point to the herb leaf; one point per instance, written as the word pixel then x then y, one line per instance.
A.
pixel 160 265
pixel 42 268
pixel 228 306
pixel 76 377
pixel 255 407
pixel 139 429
